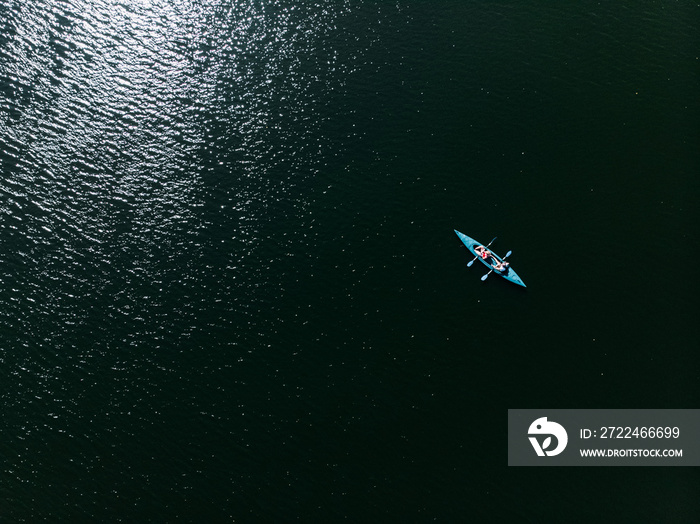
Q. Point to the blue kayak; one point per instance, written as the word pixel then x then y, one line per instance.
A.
pixel 491 261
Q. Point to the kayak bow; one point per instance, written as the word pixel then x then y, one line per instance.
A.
pixel 508 274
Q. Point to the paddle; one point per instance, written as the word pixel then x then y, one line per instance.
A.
pixel 470 263
pixel 487 274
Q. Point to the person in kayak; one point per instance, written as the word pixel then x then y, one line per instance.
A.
pixel 482 252
pixel 501 266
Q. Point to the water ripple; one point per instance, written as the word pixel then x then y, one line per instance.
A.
pixel 148 149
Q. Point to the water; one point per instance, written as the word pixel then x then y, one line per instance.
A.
pixel 230 286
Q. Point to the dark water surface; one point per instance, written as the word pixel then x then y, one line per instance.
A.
pixel 230 286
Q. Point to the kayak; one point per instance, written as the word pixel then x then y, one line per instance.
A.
pixel 491 261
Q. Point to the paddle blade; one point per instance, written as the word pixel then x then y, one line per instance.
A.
pixel 470 263
pixel 507 254
pixel 485 276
